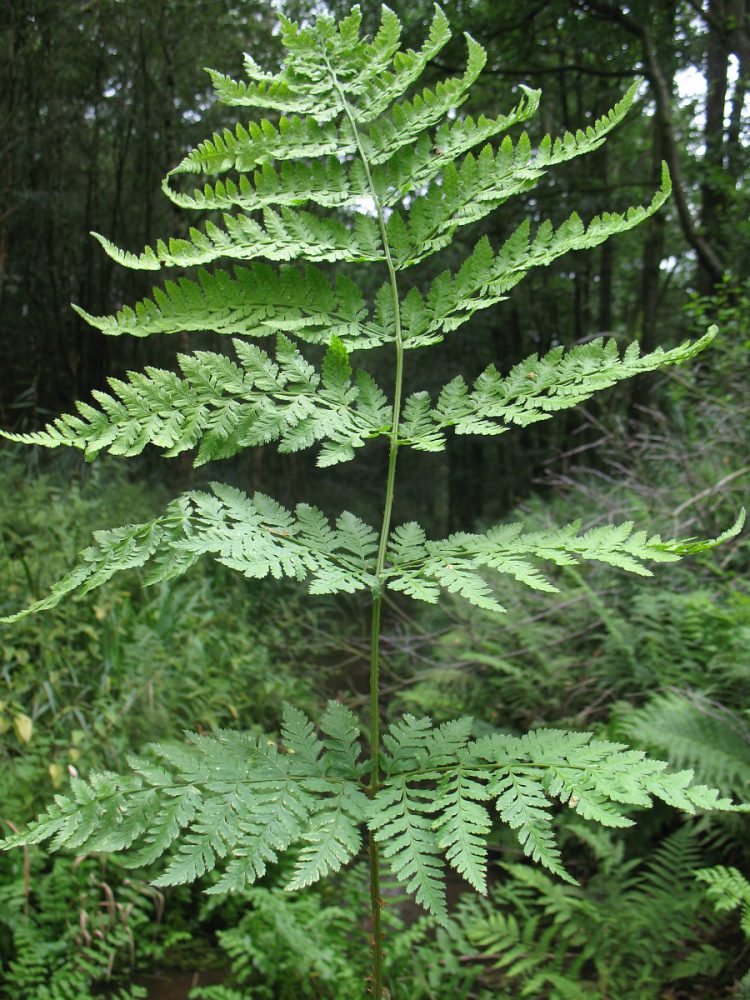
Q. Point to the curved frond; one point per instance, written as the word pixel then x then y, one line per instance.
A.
pixel 253 301
pixel 292 138
pixel 326 182
pixel 470 190
pixel 538 387
pixel 284 235
pixel 431 806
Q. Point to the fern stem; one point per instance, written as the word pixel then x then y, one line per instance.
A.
pixel 376 903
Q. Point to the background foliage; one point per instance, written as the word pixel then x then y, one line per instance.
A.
pixel 97 100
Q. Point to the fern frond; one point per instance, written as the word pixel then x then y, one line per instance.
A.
pixel 402 165
pixel 228 795
pixel 695 732
pixel 463 825
pixel 341 732
pixel 283 236
pixel 371 75
pixel 456 562
pixel 402 822
pixel 225 407
pixel 332 837
pixel 257 537
pixel 259 143
pixel 727 889
pixel 437 780
pixel 417 426
pixel 273 93
pixel 470 190
pixel 325 182
pixel 253 301
pixel 485 277
pixel 348 138
pixel 234 798
pixel 570 145
pixel 408 157
pixel 537 388
pixel 371 89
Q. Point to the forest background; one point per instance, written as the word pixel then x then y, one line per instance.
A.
pixel 98 99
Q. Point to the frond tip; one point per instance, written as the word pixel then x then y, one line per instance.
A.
pixel 418 567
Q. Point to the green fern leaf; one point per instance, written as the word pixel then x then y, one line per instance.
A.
pixel 537 388
pixel 414 164
pixel 284 235
pixel 222 408
pixel 332 837
pixel 257 537
pixel 402 822
pixel 254 301
pixel 485 277
pixel 727 889
pixel 523 806
pixel 403 173
pixel 341 734
pixel 463 826
pixel 457 562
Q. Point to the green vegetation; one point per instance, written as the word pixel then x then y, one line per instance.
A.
pixel 553 694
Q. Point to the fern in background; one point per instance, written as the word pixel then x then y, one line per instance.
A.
pixel 57 958
pixel 633 928
pixel 350 132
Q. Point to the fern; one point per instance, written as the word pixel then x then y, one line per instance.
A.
pixel 695 732
pixel 403 169
pixel 244 799
pixel 418 566
pixel 727 889
pixel 631 932
pixel 221 407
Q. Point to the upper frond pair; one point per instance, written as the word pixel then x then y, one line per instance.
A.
pixel 403 157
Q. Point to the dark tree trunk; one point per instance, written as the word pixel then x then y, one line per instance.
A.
pixel 713 180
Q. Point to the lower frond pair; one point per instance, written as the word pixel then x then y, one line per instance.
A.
pixel 241 801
